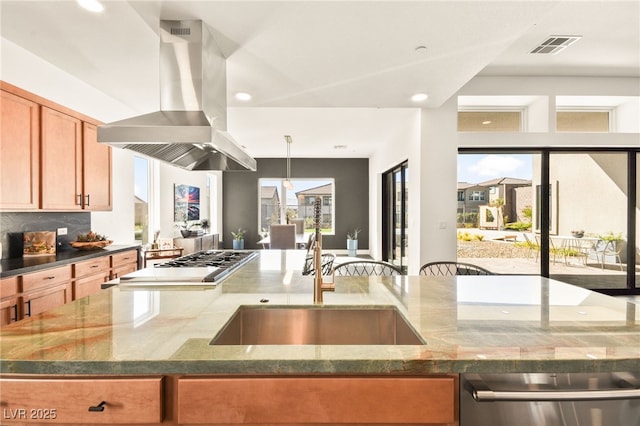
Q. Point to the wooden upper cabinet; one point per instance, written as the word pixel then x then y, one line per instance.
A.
pixel 19 153
pixel 50 158
pixel 96 170
pixel 61 161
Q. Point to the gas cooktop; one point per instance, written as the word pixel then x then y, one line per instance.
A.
pixel 202 266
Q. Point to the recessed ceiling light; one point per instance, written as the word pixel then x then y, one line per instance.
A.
pixel 486 122
pixel 243 96
pixel 339 147
pixel 91 5
pixel 419 97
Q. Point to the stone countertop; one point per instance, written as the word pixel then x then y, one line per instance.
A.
pixel 23 265
pixel 470 324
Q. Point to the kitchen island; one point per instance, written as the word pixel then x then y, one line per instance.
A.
pixel 496 324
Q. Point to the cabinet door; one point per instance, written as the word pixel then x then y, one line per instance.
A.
pixel 190 245
pixel 61 172
pixel 19 153
pixel 9 301
pixel 89 275
pixel 10 310
pixel 85 401
pixel 344 400
pixel 46 299
pixel 124 263
pixel 96 170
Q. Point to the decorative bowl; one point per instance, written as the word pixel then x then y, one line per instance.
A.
pixel 90 245
pixel 577 234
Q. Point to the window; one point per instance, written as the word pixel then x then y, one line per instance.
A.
pixel 460 195
pixel 582 121
pixel 477 196
pixel 489 121
pixel 560 207
pixel 277 203
pixel 141 200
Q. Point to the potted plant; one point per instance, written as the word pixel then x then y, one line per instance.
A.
pixel 238 239
pixel 352 242
pixel 204 223
pixel 185 228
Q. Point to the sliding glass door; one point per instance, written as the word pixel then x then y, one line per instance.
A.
pixel 395 199
pixel 570 214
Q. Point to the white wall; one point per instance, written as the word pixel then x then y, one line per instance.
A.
pixel 405 146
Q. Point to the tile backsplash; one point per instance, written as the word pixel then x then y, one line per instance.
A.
pixel 12 225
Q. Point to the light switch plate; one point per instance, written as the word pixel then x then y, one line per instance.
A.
pixel 62 231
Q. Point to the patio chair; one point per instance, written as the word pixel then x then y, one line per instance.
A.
pixel 449 268
pixel 533 246
pixel 326 261
pixel 365 268
pixel 610 248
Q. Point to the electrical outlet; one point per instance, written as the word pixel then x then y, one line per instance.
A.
pixel 62 231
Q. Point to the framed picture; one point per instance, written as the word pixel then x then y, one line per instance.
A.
pixel 186 203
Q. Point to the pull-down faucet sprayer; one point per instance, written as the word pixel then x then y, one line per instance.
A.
pixel 319 286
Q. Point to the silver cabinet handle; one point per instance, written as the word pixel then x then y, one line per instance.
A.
pixel 482 394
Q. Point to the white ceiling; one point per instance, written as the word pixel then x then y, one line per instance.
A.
pixel 329 72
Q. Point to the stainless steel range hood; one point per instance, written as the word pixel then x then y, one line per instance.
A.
pixel 189 131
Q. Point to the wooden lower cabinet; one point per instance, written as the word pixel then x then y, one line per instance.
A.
pixel 124 263
pixel 174 400
pixel 89 275
pixel 88 400
pixel 318 400
pixel 45 290
pixel 10 301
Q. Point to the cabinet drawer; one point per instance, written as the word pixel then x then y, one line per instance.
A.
pixel 8 287
pixel 88 285
pixel 68 401
pixel 123 258
pixel 91 267
pixel 300 400
pixel 36 280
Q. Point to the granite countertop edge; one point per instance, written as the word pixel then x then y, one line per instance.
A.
pixel 313 367
pixel 16 266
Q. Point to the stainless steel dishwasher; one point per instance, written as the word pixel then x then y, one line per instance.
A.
pixel 562 399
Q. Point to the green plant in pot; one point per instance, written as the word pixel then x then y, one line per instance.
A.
pixel 352 242
pixel 185 228
pixel 238 239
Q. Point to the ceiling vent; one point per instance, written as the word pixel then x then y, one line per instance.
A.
pixel 555 44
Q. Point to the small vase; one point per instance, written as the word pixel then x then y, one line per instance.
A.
pixel 352 247
pixel 238 244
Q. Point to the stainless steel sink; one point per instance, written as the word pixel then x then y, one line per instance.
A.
pixel 317 325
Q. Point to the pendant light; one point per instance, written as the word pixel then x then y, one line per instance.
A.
pixel 287 183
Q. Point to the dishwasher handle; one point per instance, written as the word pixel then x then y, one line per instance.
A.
pixel 482 393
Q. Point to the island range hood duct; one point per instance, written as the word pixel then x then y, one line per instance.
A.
pixel 189 131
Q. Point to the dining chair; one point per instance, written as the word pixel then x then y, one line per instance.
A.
pixel 326 262
pixel 450 268
pixel 282 236
pixel 366 268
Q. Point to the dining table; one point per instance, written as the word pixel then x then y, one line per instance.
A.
pixel 574 247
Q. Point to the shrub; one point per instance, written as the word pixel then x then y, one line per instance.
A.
pixel 518 226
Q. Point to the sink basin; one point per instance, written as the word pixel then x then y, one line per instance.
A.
pixel 317 325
